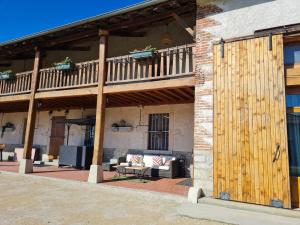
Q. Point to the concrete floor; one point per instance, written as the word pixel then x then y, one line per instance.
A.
pixel 34 200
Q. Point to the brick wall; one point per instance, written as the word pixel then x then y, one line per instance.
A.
pixel 203 131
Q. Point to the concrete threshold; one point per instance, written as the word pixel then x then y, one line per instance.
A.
pixel 293 213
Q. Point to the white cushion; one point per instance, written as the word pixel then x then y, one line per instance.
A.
pixel 148 160
pixel 166 158
pixel 124 164
pixel 113 161
pixel 164 167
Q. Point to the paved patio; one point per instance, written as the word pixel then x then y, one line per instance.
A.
pixel 32 200
pixel 159 185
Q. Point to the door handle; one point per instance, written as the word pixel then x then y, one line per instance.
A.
pixel 277 153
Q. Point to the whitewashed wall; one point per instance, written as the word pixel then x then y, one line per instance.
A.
pixel 181 127
pixel 242 18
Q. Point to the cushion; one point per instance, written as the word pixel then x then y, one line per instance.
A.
pixel 148 160
pixel 124 164
pixel 164 167
pixel 167 160
pixel 113 161
pixel 135 159
pixel 157 161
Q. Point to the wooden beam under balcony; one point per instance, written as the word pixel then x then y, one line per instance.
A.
pixel 14 98
pixel 67 93
pixel 153 85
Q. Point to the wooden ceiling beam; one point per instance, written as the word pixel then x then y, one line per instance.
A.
pixel 183 93
pixel 183 24
pixel 175 96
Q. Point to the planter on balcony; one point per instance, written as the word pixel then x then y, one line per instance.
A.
pixel 143 54
pixel 7 75
pixel 65 66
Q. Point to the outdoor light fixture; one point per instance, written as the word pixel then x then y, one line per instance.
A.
pixel 66 112
pixel 222 42
pixel 270 42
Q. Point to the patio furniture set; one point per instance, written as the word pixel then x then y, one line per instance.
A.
pixel 143 165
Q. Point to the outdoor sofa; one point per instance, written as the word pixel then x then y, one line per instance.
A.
pixel 166 166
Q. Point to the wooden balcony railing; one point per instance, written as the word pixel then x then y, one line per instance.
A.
pixel 84 74
pixel 168 63
pixel 20 85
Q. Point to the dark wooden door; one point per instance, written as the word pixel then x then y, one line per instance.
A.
pixel 57 137
pixel 250 128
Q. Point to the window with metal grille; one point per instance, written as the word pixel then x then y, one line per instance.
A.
pixel 158 132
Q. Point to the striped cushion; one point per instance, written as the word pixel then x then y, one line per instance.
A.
pixel 136 159
pixel 157 161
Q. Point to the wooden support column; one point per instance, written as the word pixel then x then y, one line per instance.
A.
pixel 96 172
pixel 26 163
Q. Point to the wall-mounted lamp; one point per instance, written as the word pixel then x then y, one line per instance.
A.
pixel 270 42
pixel 222 43
pixel 50 113
pixel 66 112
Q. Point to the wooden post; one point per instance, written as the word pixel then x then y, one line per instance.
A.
pixel 96 172
pixel 26 163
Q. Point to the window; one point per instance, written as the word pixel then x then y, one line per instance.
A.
pixel 158 132
pixel 292 100
pixel 292 54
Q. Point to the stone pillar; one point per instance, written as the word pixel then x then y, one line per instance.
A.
pixel 203 124
pixel 96 172
pixel 26 162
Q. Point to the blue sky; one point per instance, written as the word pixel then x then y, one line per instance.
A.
pixel 24 17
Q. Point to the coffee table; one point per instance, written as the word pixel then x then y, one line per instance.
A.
pixel 139 171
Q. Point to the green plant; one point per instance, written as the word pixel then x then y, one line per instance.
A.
pixel 7 71
pixel 67 60
pixel 147 48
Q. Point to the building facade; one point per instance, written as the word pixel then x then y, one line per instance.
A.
pixel 226 77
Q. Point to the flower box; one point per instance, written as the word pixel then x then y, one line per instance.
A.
pixel 7 75
pixel 65 66
pixel 143 54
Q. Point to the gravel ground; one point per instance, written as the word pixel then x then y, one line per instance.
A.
pixel 33 200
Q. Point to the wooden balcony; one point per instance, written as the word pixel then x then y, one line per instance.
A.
pixel 20 85
pixel 173 64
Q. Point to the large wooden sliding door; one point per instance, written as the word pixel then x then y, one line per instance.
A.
pixel 250 129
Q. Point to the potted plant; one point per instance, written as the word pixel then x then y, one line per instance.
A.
pixel 147 52
pixel 65 65
pixel 7 75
